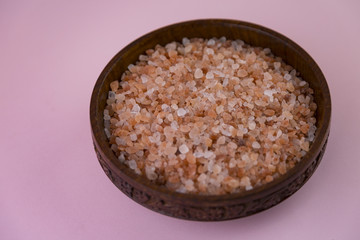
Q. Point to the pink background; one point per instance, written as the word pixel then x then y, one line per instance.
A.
pixel 51 185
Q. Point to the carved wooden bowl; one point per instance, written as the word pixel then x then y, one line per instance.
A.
pixel 199 207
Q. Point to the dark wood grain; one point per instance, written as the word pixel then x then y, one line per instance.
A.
pixel 211 208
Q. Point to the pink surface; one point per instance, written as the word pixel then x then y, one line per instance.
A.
pixel 51 185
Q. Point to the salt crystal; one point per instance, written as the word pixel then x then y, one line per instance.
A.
pixel 198 154
pixel 143 57
pixel 159 80
pixel 188 48
pixel 135 109
pixel 169 117
pixel 209 154
pixel 252 125
pixel 287 76
pixel 107 133
pixel 225 82
pixel 221 140
pixel 181 112
pixel 209 51
pixel 165 107
pixel 216 169
pixel 183 149
pixel 277 65
pixel 211 42
pixel 174 106
pixel 267 76
pixel 209 75
pixel 198 73
pixel 302 83
pixel 111 95
pixel 120 141
pixel 245 181
pixel 140 153
pixel 185 41
pixel 131 67
pixel 270 93
pixel 121 157
pixel 255 145
pixel 215 129
pixel 232 145
pixel 235 66
pixel 150 173
pixel 232 163
pixel 132 164
pixel 219 109
pixel 174 125
pixel 144 78
pixel 133 137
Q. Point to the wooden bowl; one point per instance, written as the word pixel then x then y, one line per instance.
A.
pixel 199 207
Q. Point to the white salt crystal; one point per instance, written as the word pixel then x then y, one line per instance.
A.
pixel 165 107
pixel 198 73
pixel 287 76
pixel 267 76
pixel 150 173
pixel 111 95
pixel 188 48
pixel 107 133
pixel 255 145
pixel 144 78
pixel 181 112
pixel 135 109
pixel 174 125
pixel 225 82
pixel 183 149
pixel 121 157
pixel 174 106
pixel 185 41
pixel 219 109
pixel 130 67
pixel 235 66
pixel 277 65
pixel 209 51
pixel 198 154
pixel 302 83
pixel 252 125
pixel 120 141
pixel 133 137
pixel 209 75
pixel 132 164
pixel 270 93
pixel 140 153
pixel 211 42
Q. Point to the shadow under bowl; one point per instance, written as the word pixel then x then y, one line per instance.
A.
pixel 200 207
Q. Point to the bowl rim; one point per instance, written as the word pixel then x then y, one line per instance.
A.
pixel 266 189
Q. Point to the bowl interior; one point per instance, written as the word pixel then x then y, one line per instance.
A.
pixel 252 34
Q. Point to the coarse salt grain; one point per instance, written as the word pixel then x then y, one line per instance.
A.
pixel 181 112
pixel 255 145
pixel 183 149
pixel 198 73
